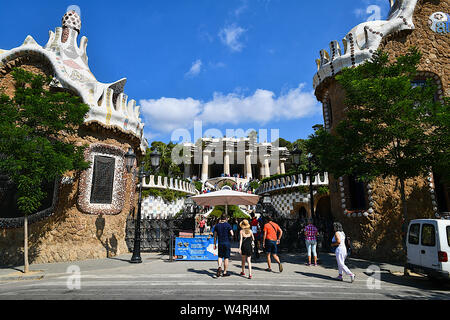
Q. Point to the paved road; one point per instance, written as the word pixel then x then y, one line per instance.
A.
pixel 159 279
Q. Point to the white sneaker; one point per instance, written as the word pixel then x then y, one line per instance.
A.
pixel 352 278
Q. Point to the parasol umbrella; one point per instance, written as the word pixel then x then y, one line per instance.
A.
pixel 226 198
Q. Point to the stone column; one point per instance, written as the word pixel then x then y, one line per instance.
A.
pixel 187 171
pixel 226 162
pixel 282 166
pixel 248 165
pixel 266 167
pixel 261 171
pixel 205 165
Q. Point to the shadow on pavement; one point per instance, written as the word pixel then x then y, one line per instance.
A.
pixel 316 275
pixel 210 272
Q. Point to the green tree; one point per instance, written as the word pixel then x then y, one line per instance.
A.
pixel 392 127
pixel 233 212
pixel 32 125
pixel 167 167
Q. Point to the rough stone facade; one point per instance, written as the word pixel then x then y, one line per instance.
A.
pixel 378 235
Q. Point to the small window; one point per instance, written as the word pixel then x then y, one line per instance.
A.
pixel 418 83
pixel 448 235
pixel 428 235
pixel 103 180
pixel 357 194
pixel 414 230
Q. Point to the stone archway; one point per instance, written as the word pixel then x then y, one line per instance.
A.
pixel 300 211
pixel 323 206
pixel 323 219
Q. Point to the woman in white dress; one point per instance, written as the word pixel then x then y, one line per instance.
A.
pixel 341 251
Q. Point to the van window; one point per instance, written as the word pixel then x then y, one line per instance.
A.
pixel 428 235
pixel 448 235
pixel 414 233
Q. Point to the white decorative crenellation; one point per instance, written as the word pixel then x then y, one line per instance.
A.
pixel 362 41
pixel 159 182
pixel 292 181
pixel 107 101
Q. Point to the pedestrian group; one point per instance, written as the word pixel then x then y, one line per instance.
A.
pixel 252 238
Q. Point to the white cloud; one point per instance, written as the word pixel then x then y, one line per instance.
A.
pixel 195 69
pixel 168 114
pixel 230 37
pixel 242 8
pixel 263 106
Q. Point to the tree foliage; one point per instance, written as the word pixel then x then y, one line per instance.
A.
pixel 233 212
pixel 167 167
pixel 392 127
pixel 33 124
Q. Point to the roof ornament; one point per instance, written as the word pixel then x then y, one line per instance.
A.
pixel 71 20
pixel 363 41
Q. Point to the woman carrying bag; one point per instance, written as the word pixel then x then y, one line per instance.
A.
pixel 245 246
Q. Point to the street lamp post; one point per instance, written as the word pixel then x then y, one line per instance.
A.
pixel 296 154
pixel 266 202
pixel 191 205
pixel 155 160
pixel 311 193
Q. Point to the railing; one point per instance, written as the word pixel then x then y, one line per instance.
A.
pixel 157 235
pixel 293 181
pixel 159 182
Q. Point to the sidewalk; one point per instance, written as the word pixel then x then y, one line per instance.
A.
pixel 160 264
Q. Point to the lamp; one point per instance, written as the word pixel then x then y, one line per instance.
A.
pixel 296 153
pixel 155 158
pixel 130 157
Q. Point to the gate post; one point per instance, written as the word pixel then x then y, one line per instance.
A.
pixel 171 244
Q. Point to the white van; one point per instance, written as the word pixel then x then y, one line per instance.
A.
pixel 428 247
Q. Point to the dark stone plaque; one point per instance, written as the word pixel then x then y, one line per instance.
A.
pixel 103 180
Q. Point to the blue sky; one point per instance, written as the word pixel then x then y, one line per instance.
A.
pixel 233 64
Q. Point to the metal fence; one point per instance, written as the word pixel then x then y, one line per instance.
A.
pixel 156 233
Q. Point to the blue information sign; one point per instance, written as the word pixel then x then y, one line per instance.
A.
pixel 198 248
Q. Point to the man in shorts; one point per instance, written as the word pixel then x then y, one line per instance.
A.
pixel 222 234
pixel 271 239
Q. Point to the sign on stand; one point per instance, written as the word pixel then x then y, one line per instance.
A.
pixel 200 248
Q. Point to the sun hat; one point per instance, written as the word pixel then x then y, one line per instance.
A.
pixel 244 224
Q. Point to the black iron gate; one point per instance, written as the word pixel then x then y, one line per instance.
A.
pixel 156 233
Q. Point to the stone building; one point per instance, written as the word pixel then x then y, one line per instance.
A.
pixel 371 213
pixel 85 213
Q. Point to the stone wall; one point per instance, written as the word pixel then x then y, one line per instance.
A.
pixel 72 234
pixel 378 236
